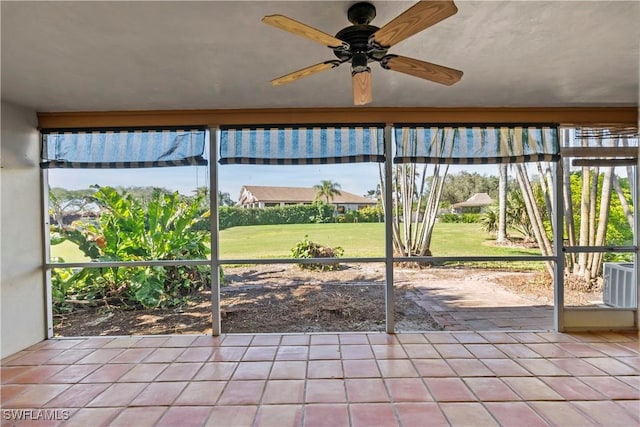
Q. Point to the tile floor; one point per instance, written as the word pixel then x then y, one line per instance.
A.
pixel 350 379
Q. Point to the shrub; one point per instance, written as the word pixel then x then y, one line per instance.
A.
pixel 466 218
pixel 370 214
pixel 308 249
pixel 127 230
pixel 489 220
pixel 450 218
pixel 469 218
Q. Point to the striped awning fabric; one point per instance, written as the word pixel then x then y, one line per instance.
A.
pixel 300 145
pixel 123 148
pixel 476 144
pixel 603 137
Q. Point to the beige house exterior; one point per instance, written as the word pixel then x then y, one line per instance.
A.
pixel 256 196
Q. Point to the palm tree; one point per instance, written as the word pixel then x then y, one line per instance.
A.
pixel 327 190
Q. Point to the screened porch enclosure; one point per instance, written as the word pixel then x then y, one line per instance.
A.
pixel 530 150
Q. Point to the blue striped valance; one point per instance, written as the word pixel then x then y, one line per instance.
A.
pixel 603 137
pixel 476 144
pixel 300 145
pixel 129 148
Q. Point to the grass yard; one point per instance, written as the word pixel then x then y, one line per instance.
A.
pixel 357 240
pixel 68 252
pixel 276 241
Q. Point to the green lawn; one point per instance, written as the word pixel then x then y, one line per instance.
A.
pixel 358 240
pixel 276 241
pixel 68 252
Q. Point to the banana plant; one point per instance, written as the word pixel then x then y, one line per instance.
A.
pixel 130 230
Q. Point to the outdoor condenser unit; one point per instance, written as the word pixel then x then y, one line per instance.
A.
pixel 619 287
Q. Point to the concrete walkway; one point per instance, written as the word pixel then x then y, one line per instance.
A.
pixel 469 300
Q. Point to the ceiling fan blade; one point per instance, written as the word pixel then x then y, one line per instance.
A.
pixel 305 72
pixel 418 17
pixel 424 70
pixel 291 25
pixel 361 83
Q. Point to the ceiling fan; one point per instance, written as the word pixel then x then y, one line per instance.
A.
pixel 362 43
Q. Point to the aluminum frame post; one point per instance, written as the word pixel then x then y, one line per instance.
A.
pixel 636 238
pixel 558 249
pixel 216 326
pixel 46 253
pixel 388 228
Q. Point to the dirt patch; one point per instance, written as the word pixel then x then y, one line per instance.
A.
pixel 539 288
pixel 283 298
pixel 266 298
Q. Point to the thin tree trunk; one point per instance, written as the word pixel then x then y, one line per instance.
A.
pixel 407 193
pixel 568 212
pixel 585 206
pixel 623 200
pixel 427 186
pixel 417 224
pixel 394 224
pixel 545 185
pixel 419 215
pixel 534 214
pixel 603 219
pixel 549 177
pixel 502 203
pixel 431 209
pixel 396 213
pixel 593 194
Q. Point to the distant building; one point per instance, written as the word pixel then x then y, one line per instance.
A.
pixel 473 204
pixel 256 196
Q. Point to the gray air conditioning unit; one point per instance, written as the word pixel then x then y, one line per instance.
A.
pixel 619 287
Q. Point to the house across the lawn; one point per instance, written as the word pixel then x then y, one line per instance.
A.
pixel 257 196
pixel 473 204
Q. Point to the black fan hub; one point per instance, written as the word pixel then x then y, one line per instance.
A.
pixel 358 36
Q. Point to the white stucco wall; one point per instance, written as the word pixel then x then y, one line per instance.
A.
pixel 22 301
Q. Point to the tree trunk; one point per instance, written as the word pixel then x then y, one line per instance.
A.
pixel 623 200
pixel 412 229
pixel 394 228
pixel 568 212
pixel 593 195
pixel 502 204
pixel 603 219
pixel 585 206
pixel 545 185
pixel 534 214
pixel 431 208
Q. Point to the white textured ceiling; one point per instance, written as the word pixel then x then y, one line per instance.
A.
pixel 100 56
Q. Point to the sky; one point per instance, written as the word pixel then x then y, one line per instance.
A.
pixel 353 178
pixel 356 178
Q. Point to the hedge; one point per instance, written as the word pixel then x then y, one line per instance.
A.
pixel 319 212
pixel 234 216
pixel 466 218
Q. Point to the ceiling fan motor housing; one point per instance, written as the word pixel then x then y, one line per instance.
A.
pixel 361 51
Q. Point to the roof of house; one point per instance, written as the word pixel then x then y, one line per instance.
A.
pixel 475 201
pixel 270 194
